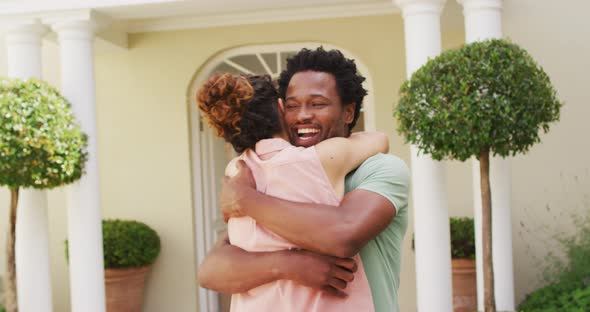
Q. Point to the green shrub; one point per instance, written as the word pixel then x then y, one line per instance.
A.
pixel 578 254
pixel 558 297
pixel 462 238
pixel 128 244
pixel 41 144
pixel 489 94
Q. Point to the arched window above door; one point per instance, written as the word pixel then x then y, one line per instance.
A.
pixel 271 63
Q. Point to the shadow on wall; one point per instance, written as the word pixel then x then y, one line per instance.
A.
pixel 559 251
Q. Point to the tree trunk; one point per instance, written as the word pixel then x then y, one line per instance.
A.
pixel 10 296
pixel 486 200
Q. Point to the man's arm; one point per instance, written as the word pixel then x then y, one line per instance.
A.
pixel 230 269
pixel 340 231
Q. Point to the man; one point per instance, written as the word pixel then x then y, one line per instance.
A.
pixel 322 94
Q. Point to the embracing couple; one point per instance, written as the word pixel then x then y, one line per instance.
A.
pixel 316 215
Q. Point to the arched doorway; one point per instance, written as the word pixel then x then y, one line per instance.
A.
pixel 210 155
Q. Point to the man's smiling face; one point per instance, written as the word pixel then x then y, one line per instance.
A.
pixel 313 109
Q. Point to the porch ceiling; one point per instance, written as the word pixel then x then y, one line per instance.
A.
pixel 155 15
pixel 134 16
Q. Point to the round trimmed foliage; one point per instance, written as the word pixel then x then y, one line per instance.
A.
pixel 129 244
pixel 462 238
pixel 41 144
pixel 485 95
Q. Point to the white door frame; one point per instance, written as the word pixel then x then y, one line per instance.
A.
pixel 204 193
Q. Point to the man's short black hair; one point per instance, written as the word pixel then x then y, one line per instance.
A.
pixel 349 83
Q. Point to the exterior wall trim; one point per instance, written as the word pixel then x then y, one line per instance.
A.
pixel 261 17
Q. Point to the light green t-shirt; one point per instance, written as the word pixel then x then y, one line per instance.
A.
pixel 389 176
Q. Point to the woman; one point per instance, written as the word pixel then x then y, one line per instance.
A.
pixel 245 111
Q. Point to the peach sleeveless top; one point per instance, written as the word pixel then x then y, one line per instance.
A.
pixel 296 174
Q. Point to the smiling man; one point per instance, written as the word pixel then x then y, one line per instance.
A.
pixel 322 94
pixel 313 108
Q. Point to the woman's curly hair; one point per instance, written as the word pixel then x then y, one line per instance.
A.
pixel 243 109
pixel 349 81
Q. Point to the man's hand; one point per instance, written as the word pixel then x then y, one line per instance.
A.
pixel 326 273
pixel 233 188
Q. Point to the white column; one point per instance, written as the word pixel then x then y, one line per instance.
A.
pixel 431 217
pixel 23 42
pixel 483 20
pixel 76 37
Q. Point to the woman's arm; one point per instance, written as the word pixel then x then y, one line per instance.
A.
pixel 339 155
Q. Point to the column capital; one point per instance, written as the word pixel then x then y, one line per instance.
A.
pixel 413 7
pixel 23 30
pixel 483 19
pixel 80 24
pixel 481 4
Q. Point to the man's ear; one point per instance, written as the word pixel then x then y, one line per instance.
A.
pixel 349 113
pixel 281 106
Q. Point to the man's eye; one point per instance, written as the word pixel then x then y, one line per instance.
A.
pixel 319 104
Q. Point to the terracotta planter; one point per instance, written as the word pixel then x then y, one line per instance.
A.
pixel 124 289
pixel 464 285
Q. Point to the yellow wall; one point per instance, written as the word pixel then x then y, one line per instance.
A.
pixel 551 184
pixel 144 134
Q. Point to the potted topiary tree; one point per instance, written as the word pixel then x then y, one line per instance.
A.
pixel 41 147
pixel 463 265
pixel 130 248
pixel 485 97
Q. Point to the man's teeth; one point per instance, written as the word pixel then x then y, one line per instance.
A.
pixel 307 130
